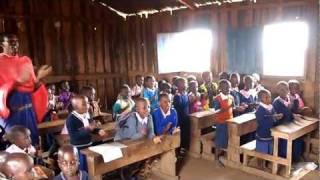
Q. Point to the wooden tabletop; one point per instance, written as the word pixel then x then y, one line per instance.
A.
pixel 243 118
pixel 51 126
pixel 295 129
pixel 203 113
pixel 134 152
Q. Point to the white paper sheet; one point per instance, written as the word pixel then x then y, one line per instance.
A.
pixel 109 151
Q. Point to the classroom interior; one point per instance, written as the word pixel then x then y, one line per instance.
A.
pixel 105 44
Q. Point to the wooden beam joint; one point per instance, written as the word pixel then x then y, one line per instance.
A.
pixel 188 3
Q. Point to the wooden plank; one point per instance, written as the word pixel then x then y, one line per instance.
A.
pixel 51 126
pixel 135 151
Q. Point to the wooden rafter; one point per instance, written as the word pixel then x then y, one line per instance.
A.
pixel 188 3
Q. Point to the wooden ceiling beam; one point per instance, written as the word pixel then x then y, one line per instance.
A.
pixel 188 3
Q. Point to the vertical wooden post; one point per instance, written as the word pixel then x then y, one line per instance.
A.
pixel 289 157
pixel 275 153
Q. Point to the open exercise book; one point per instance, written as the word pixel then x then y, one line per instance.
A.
pixel 109 151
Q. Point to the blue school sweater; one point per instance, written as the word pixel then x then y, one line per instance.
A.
pixel 160 122
pixel 79 136
pixel 152 96
pixel 181 104
pixel 265 122
pixel 281 108
pixel 249 101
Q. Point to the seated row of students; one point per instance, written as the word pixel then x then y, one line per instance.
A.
pixel 20 166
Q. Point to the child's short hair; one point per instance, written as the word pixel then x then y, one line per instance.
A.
pixel 86 89
pixel 247 77
pixel 124 86
pixel 166 85
pixel 138 76
pixel 191 78
pixel 293 82
pixel 16 131
pixel 193 82
pixel 67 148
pixel 164 95
pixel 262 92
pixel 224 74
pixel 178 80
pixel 75 98
pixel 149 77
pixel 141 100
pixel 224 81
pixel 237 75
pixel 282 83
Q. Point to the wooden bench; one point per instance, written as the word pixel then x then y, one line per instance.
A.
pixel 208 146
pixel 199 121
pixel 289 132
pixel 138 151
pixel 238 126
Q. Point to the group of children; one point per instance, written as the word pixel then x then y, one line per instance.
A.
pixel 151 110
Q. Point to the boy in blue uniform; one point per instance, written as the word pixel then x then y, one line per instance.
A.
pixel 266 118
pixel 150 92
pixel 283 105
pixel 181 104
pixel 165 118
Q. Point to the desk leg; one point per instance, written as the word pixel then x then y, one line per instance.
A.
pixel 195 145
pixel 233 153
pixel 308 146
pixel 289 158
pixel 275 153
pixel 168 166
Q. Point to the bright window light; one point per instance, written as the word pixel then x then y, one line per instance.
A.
pixel 188 51
pixel 284 47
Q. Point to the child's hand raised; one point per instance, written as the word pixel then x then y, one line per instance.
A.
pixel 176 130
pixel 157 140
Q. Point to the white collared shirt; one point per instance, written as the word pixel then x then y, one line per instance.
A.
pixel 165 114
pixel 84 118
pixel 142 121
pixel 15 149
pixel 269 107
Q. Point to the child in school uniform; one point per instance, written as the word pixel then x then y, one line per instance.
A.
pixel 90 93
pixel 224 104
pixel 256 81
pixel 283 105
pixel 194 98
pixel 209 89
pixel 235 92
pixel 248 98
pixel 266 118
pixel 65 95
pixel 68 161
pixel 181 104
pixel 19 136
pixel 165 118
pixel 174 87
pixel 124 103
pixel 150 92
pixel 298 106
pixel 138 87
pixel 79 127
pixel 17 166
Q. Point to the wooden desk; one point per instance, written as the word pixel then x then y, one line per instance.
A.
pixel 51 126
pixel 199 121
pixel 290 132
pixel 237 127
pixel 135 152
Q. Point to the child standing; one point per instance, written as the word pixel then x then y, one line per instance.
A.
pixel 79 128
pixel 90 93
pixel 181 104
pixel 124 104
pixel 150 92
pixel 248 97
pixel 68 159
pixel 266 118
pixel 138 87
pixel 283 105
pixel 194 98
pixel 297 103
pixel 165 118
pixel 209 89
pixel 224 104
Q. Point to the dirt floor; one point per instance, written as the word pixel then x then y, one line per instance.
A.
pixel 198 169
